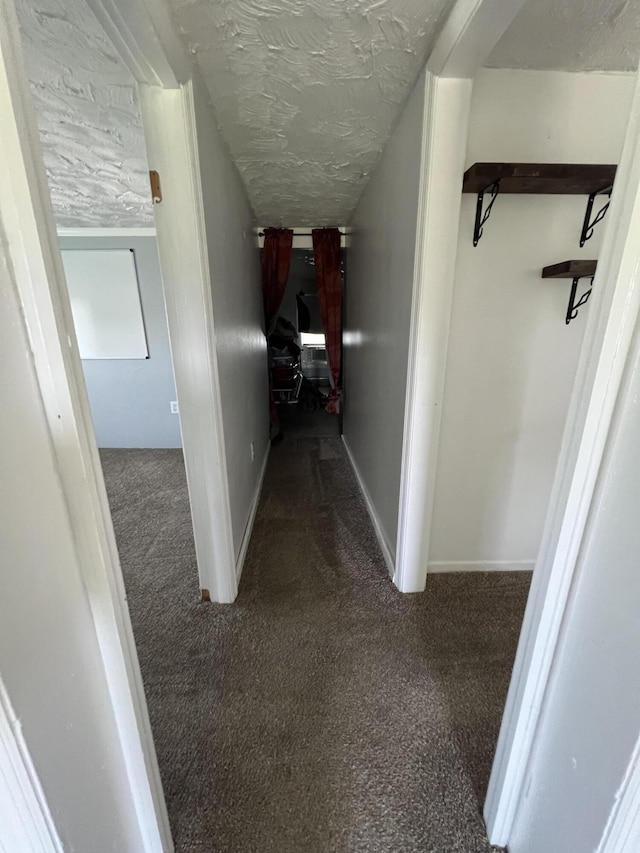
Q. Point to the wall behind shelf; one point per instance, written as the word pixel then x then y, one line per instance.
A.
pixel 512 359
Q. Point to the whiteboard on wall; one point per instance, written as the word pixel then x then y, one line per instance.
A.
pixel 105 302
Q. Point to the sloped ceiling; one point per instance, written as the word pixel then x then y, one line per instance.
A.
pixel 572 35
pixel 307 92
pixel 88 117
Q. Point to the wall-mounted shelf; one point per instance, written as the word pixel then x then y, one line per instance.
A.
pixel 574 270
pixel 539 179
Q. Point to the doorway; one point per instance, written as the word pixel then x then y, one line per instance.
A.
pixel 298 352
pixel 529 455
pixel 119 363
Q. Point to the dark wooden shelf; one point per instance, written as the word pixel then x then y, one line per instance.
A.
pixel 539 178
pixel 570 269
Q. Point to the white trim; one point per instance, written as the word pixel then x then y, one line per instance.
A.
pixel 225 581
pixel 168 117
pixel 385 547
pixel 246 536
pixel 143 33
pixel 622 832
pixel 444 139
pixel 106 232
pixel 472 30
pixel 610 323
pixel 482 566
pixel 32 246
pixel 26 824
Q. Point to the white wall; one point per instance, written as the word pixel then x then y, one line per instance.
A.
pixel 591 719
pixel 238 315
pixel 512 359
pixel 130 398
pixel 50 661
pixel 380 269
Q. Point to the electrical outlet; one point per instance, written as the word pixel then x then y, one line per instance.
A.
pixel 174 407
pixel 253 452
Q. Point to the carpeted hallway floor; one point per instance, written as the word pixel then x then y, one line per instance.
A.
pixel 323 712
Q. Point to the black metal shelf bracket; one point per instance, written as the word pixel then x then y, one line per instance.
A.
pixel 572 308
pixel 481 217
pixel 588 225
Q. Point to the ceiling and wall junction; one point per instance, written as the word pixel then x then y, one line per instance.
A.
pixel 306 92
pixel 87 112
pixel 571 35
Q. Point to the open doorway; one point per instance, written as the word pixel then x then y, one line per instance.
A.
pixel 92 139
pixel 299 353
pixel 94 150
pixel 519 343
pixel 514 349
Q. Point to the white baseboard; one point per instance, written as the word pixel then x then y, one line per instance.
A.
pixel 246 538
pixel 482 566
pixel 387 553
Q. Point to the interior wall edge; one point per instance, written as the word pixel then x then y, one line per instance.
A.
pixel 184 267
pixel 25 816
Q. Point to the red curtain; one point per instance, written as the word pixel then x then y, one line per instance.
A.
pixel 326 251
pixel 276 260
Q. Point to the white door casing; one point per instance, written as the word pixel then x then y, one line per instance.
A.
pixel 468 36
pixel 143 33
pixel 26 824
pixel 610 323
pixel 168 117
pixel 32 250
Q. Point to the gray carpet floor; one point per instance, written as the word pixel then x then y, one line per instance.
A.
pixel 323 712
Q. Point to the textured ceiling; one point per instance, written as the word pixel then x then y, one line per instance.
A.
pixel 88 117
pixel 572 35
pixel 307 92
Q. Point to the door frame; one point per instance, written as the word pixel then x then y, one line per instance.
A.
pixel 467 38
pixel 464 42
pixel 31 245
pixel 169 121
pixel 24 812
pixel 143 33
pixel 612 317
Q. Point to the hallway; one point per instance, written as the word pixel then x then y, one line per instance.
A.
pixel 323 711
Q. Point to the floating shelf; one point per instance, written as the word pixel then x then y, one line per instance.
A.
pixel 539 179
pixel 574 270
pixel 570 269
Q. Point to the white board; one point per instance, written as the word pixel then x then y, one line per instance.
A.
pixel 105 302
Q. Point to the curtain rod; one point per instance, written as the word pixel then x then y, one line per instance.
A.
pixel 305 233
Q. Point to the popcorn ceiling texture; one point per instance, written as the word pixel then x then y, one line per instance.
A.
pixel 307 92
pixel 88 117
pixel 572 35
